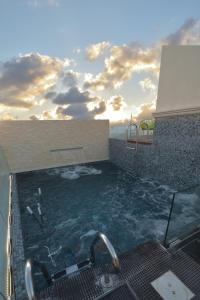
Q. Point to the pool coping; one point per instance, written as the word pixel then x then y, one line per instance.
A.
pixel 17 257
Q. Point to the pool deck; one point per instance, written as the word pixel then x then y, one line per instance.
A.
pixel 138 269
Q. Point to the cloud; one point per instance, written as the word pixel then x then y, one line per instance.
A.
pixel 72 96
pixel 81 111
pixel 76 111
pixel 77 50
pixel 117 102
pixel 145 112
pixel 7 116
pixel 187 34
pixel 25 78
pixel 96 50
pixel 39 3
pixel 76 104
pixel 34 80
pixel 119 67
pixel 99 109
pixel 148 85
pixel 69 78
pixel 34 118
pixel 125 60
pixel 48 115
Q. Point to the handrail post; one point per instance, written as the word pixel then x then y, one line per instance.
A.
pixel 169 218
pixel 29 280
pixel 29 277
pixel 110 248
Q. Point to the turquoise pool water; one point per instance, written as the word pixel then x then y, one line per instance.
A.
pixel 79 201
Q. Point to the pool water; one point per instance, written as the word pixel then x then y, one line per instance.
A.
pixel 79 201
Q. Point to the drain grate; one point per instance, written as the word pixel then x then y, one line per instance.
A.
pixel 120 293
pixel 138 268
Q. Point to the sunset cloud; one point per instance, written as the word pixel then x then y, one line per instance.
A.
pixel 125 60
pixel 117 102
pixel 48 115
pixel 94 51
pixel 7 116
pixel 60 91
pixel 72 96
pixel 121 64
pixel 69 78
pixel 148 85
pixel 74 104
pixel 146 111
pixel 25 78
pixel 34 118
pixel 187 34
pixel 81 111
pixel 74 111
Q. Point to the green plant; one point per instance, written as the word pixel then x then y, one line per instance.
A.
pixel 147 124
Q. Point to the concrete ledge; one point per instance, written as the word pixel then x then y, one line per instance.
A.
pixel 140 142
pixel 178 112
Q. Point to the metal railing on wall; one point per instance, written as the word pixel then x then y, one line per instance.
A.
pixel 133 130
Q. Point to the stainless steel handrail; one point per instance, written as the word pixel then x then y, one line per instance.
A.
pixel 29 276
pixel 110 248
pixel 29 280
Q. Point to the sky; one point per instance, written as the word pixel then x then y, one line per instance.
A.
pixel 75 59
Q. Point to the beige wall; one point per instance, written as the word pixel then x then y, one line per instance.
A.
pixel 32 145
pixel 179 83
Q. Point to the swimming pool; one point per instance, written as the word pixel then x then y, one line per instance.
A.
pixel 78 201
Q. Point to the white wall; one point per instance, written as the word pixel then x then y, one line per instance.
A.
pixel 32 145
pixel 179 83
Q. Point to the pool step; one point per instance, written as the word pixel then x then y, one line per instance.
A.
pixel 138 269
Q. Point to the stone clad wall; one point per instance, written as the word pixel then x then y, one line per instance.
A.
pixel 139 163
pixel 17 257
pixel 122 156
pixel 32 145
pixel 174 156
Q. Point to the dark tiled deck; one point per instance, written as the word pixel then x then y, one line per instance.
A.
pixel 138 269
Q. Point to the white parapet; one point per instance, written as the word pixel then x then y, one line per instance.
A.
pixel 179 82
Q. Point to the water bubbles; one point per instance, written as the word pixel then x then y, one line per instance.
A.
pixel 74 172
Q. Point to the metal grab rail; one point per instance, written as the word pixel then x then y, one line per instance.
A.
pixel 29 277
pixel 30 289
pixel 110 248
pixel 29 281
